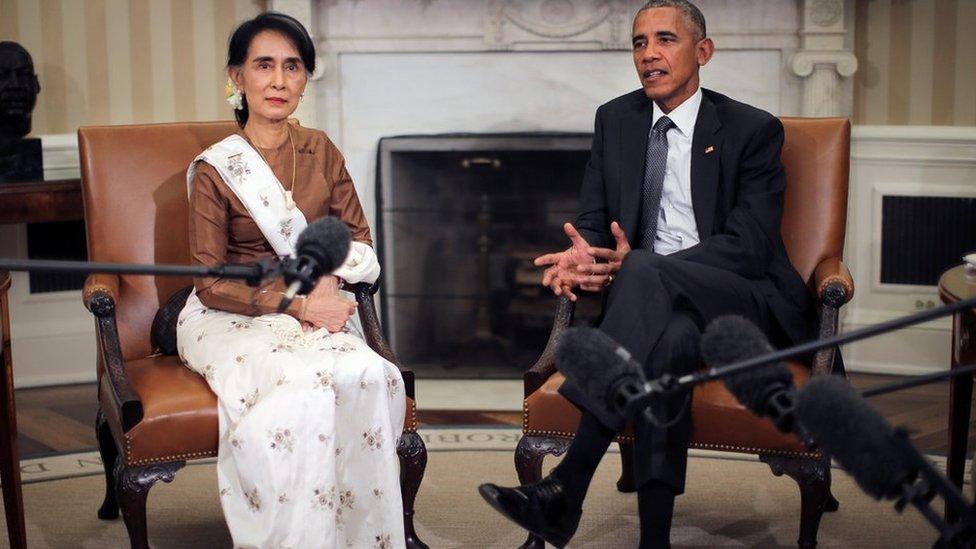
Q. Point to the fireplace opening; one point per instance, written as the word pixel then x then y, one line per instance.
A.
pixel 461 218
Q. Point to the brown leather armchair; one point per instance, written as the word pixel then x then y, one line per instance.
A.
pixel 816 156
pixel 154 413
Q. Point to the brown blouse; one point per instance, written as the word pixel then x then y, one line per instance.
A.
pixel 222 231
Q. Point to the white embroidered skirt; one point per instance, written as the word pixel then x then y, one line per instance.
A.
pixel 308 430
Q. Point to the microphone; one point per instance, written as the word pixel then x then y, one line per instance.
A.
pixel 767 391
pixel 882 460
pixel 611 380
pixel 321 248
pixel 847 429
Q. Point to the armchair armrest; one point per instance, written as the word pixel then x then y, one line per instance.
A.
pixel 545 366
pixel 372 331
pixel 100 294
pixel 835 287
pixel 833 282
pixel 106 284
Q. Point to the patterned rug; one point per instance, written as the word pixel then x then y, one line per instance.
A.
pixel 731 501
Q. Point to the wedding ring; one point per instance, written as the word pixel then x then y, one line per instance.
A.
pixel 609 280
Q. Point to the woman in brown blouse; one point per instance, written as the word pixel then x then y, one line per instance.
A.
pixel 309 415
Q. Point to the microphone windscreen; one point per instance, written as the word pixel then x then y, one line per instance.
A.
pixel 848 430
pixel 731 338
pixel 327 241
pixel 590 358
pixel 595 363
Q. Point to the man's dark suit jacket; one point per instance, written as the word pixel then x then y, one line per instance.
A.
pixel 737 185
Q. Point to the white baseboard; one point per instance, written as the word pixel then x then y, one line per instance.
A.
pixel 470 394
pixel 919 349
pixel 56 360
pixel 887 368
pixel 50 380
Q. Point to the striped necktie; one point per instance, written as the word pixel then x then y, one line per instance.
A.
pixel 654 167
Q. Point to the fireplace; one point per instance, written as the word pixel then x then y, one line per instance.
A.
pixel 460 219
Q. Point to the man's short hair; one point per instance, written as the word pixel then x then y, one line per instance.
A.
pixel 693 15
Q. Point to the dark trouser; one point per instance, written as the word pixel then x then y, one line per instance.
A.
pixel 656 309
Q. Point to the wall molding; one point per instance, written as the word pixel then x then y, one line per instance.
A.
pixel 903 161
pixel 60 156
pixel 925 145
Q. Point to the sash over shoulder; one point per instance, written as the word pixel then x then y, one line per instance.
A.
pixel 251 179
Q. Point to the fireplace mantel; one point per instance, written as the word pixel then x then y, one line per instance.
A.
pixel 810 36
pixel 393 67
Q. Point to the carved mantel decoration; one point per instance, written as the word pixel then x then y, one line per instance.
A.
pixel 605 22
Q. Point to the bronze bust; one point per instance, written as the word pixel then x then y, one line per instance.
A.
pixel 20 159
pixel 18 90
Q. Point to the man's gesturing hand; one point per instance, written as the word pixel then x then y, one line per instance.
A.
pixel 594 277
pixel 562 275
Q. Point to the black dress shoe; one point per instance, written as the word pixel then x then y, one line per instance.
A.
pixel 541 508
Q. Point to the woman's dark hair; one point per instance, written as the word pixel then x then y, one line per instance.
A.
pixel 287 25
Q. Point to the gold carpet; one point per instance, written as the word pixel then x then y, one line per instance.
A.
pixel 730 502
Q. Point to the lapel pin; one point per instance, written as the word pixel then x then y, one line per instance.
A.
pixel 709 149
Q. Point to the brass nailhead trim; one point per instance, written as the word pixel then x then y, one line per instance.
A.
pixel 746 450
pixel 174 457
pixel 565 434
pixel 412 428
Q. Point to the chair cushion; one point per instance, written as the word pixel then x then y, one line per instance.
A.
pixel 718 421
pixel 179 413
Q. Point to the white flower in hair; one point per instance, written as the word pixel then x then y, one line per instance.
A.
pixel 234 97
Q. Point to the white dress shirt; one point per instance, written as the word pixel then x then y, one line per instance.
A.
pixel 676 227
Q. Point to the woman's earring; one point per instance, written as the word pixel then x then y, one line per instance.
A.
pixel 234 96
pixel 301 97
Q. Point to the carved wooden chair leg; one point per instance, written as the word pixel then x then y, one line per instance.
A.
pixel 813 477
pixel 528 464
pixel 132 485
pixel 109 452
pixel 625 483
pixel 832 504
pixel 413 459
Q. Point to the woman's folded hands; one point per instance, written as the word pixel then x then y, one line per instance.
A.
pixel 325 307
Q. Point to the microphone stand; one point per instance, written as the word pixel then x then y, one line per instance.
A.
pixel 253 274
pixel 637 400
pixel 920 492
pixel 915 381
pixel 916 491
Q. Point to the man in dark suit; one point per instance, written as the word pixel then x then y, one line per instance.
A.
pixel 679 222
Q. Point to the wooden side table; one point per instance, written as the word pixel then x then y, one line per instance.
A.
pixel 41 201
pixel 13 499
pixel 955 285
pixel 24 203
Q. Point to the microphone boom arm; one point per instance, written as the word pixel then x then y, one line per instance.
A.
pixel 815 345
pixel 252 274
pixel 920 492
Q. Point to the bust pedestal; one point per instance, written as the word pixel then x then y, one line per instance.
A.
pixel 21 160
